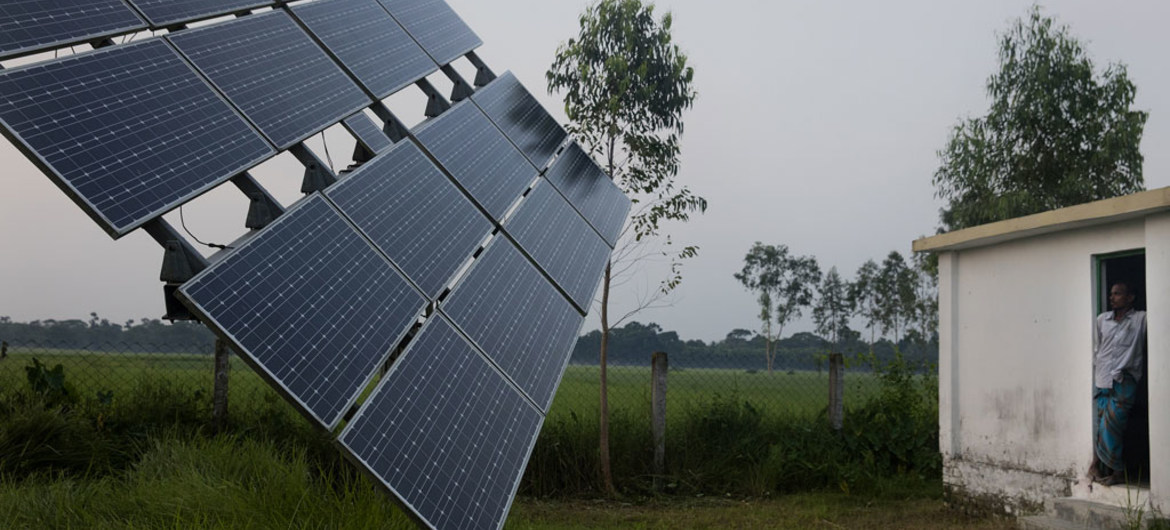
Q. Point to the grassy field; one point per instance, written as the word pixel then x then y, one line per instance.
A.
pixel 782 394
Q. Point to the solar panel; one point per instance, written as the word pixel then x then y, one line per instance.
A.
pixel 519 319
pixel 163 13
pixel 27 26
pixel 410 210
pixel 128 132
pixel 590 191
pixel 310 304
pixel 446 433
pixel 436 27
pixel 278 77
pixel 480 158
pixel 368 43
pixel 367 133
pixel 522 118
pixel 561 242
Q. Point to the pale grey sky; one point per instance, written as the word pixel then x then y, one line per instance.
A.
pixel 816 127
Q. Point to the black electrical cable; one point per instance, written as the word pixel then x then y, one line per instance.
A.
pixel 327 157
pixel 183 222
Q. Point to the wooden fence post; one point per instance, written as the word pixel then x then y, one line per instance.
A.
pixel 223 366
pixel 658 369
pixel 4 350
pixel 836 390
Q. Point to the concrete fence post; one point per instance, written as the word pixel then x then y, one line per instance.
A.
pixel 658 369
pixel 223 366
pixel 836 390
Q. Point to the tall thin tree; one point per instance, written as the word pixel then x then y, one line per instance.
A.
pixel 626 86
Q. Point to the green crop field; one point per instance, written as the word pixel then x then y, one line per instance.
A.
pixel 784 394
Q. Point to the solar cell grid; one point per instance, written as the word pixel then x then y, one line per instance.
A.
pixel 519 319
pixel 30 25
pixel 367 133
pixel 522 118
pixel 311 304
pixel 279 78
pixel 446 432
pixel 480 158
pixel 128 131
pixel 590 191
pixel 435 26
pixel 411 211
pixel 163 13
pixel 368 43
pixel 561 242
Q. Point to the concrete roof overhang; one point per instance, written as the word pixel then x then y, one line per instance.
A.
pixel 1089 214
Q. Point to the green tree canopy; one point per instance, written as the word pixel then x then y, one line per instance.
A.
pixel 1057 133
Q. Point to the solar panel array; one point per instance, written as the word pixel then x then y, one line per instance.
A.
pixel 436 27
pixel 129 132
pixel 273 71
pixel 518 318
pixel 590 191
pixel 561 242
pixel 367 42
pixel 414 214
pixel 322 300
pixel 367 133
pixel 480 158
pixel 446 433
pixel 534 131
pixel 164 13
pixel 27 26
pixel 312 304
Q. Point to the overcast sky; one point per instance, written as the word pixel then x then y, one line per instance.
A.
pixel 816 127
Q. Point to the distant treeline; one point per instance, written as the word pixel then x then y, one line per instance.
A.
pixel 147 335
pixel 629 345
pixel 744 349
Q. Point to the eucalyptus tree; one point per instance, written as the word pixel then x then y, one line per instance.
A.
pixel 896 295
pixel 1056 134
pixel 783 284
pixel 833 307
pixel 864 298
pixel 626 86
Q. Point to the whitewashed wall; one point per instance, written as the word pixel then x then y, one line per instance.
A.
pixel 1016 360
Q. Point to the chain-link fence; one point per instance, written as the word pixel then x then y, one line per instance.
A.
pixel 110 370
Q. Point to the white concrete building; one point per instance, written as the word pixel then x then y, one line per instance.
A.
pixel 1017 301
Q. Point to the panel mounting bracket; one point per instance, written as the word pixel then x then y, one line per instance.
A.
pixel 461 90
pixel 483 74
pixel 436 105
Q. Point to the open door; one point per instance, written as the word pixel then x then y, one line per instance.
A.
pixel 1130 266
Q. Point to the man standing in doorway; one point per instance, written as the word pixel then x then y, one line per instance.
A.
pixel 1118 358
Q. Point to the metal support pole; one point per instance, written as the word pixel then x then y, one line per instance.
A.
pixel 836 390
pixel 658 369
pixel 223 367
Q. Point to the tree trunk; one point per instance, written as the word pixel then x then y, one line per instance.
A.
pixel 606 474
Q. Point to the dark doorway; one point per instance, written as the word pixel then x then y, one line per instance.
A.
pixel 1130 267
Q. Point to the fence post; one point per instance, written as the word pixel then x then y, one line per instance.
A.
pixel 836 390
pixel 4 350
pixel 658 369
pixel 220 393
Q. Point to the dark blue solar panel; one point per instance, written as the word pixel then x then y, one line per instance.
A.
pixel 367 133
pixel 270 68
pixel 163 13
pixel 410 210
pixel 561 242
pixel 480 158
pixel 446 433
pixel 517 318
pixel 435 26
pixel 591 192
pixel 368 43
pixel 129 132
pixel 311 304
pixel 522 118
pixel 30 25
